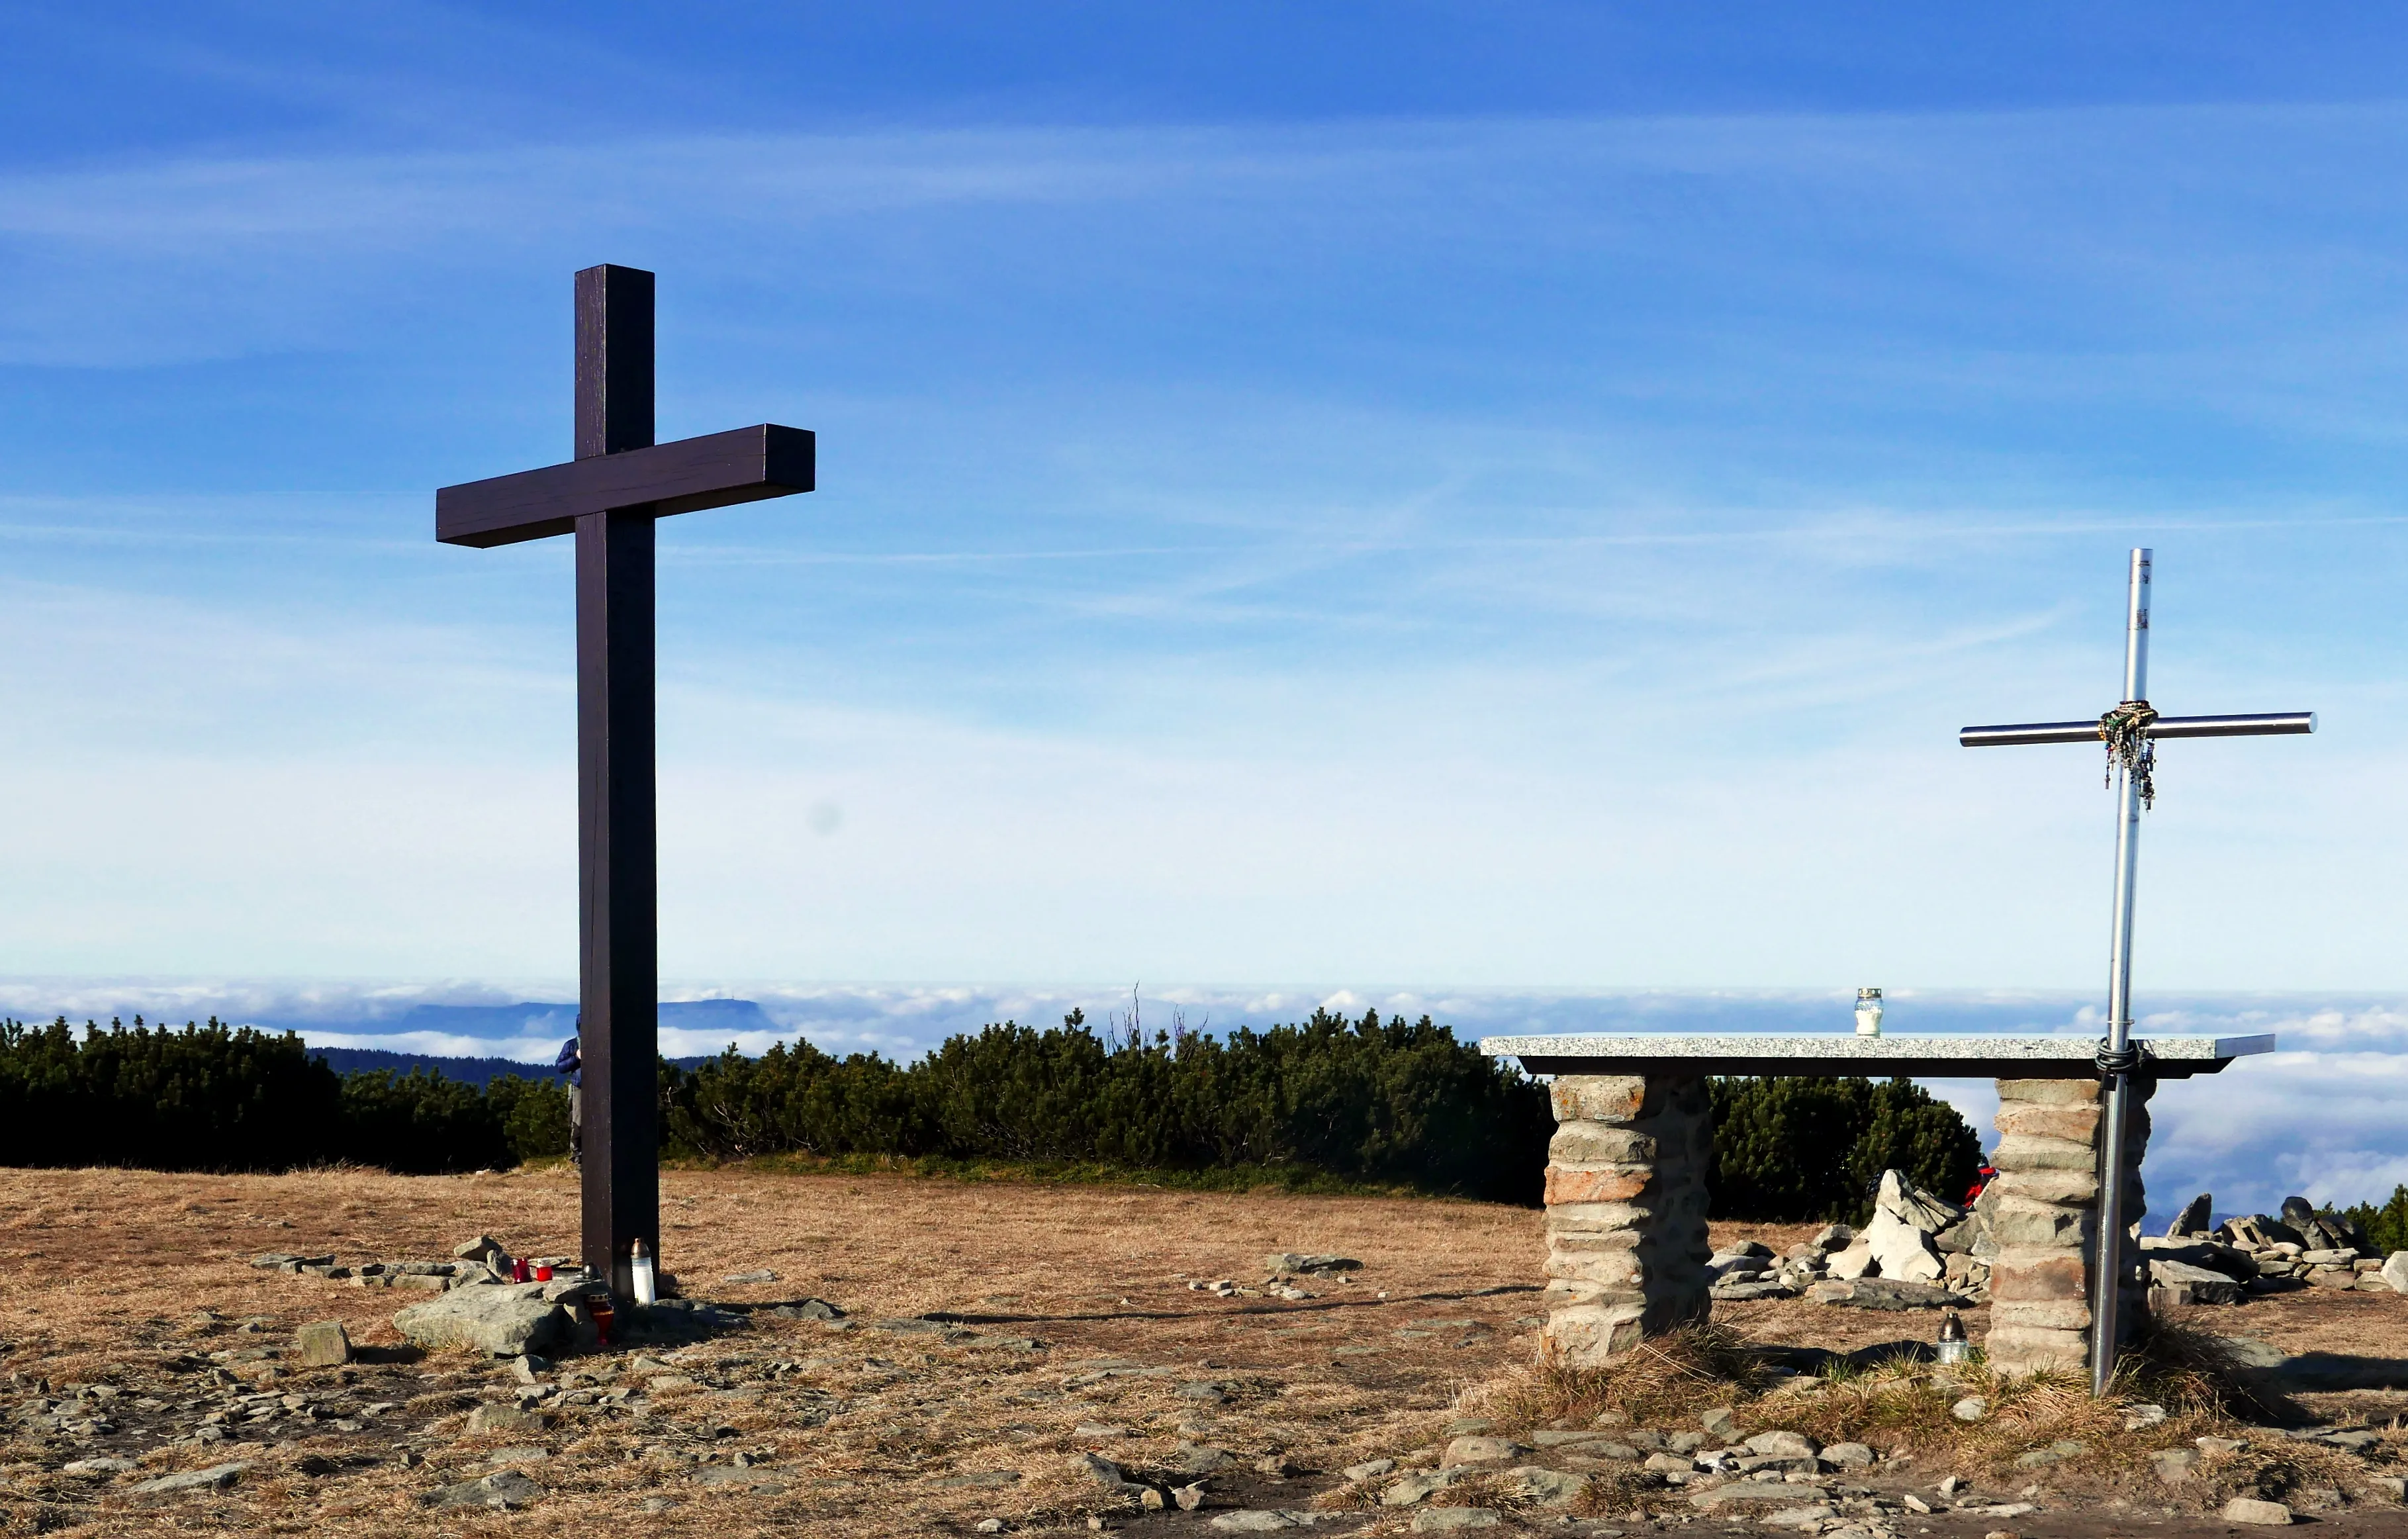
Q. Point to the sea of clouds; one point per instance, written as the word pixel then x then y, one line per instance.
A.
pixel 2318 1118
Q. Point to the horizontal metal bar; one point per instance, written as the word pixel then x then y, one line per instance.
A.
pixel 2280 724
pixel 2274 725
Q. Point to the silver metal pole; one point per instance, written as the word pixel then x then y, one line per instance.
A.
pixel 2108 1271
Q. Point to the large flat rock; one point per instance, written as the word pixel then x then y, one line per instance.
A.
pixel 500 1319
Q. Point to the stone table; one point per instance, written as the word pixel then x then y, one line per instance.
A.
pixel 1626 1172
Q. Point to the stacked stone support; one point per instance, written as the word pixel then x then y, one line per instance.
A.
pixel 2044 1214
pixel 1626 1245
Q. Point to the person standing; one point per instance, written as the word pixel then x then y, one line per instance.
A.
pixel 572 1063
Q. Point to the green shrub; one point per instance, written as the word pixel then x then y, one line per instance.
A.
pixel 421 1123
pixel 1359 1100
pixel 533 1114
pixel 1351 1102
pixel 211 1097
pixel 1798 1149
pixel 2386 1226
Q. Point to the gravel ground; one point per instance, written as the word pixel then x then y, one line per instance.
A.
pixel 1004 1349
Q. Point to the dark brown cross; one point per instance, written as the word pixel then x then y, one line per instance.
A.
pixel 609 496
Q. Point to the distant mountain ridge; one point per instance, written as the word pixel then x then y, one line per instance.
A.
pixel 536 1018
pixel 476 1072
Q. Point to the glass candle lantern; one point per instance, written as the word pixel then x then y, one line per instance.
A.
pixel 1869 1011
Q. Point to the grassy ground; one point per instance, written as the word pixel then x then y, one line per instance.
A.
pixel 1067 1330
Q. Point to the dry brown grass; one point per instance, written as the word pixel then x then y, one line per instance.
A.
pixel 1668 1379
pixel 101 1273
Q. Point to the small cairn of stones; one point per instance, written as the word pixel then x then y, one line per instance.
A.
pixel 478 1261
pixel 1919 1251
pixel 2194 1264
pixel 1285 1272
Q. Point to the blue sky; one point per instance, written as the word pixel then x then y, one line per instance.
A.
pixel 1408 496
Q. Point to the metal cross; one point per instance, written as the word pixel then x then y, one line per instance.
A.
pixel 609 496
pixel 2131 730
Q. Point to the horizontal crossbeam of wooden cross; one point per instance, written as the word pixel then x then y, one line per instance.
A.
pixel 718 470
pixel 2281 723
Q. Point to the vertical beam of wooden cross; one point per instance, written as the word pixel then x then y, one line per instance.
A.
pixel 2131 732
pixel 609 496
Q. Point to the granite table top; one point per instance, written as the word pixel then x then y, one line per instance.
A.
pixel 1845 1053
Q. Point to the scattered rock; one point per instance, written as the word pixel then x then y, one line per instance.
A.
pixel 731 1478
pixel 1885 1293
pixel 97 1466
pixel 322 1343
pixel 1852 1262
pixel 2249 1352
pixel 1744 1493
pixel 1103 1470
pixel 1972 1408
pixel 1769 1288
pixel 1197 1458
pixel 1371 1469
pixel 496 1417
pixel 764 1275
pixel 1444 1519
pixel 1188 1498
pixel 1414 1487
pixel 1289 1263
pixel 1205 1391
pixel 808 1309
pixel 1783 1445
pixel 1483 1450
pixel 1547 1488
pixel 2196 1283
pixel 2174 1465
pixel 1848 1455
pixel 2142 1414
pixel 217 1477
pixel 1912 1206
pixel 1720 1422
pixel 1264 1520
pixel 2395 1270
pixel 504 1489
pixel 2248 1509
pixel 2195 1217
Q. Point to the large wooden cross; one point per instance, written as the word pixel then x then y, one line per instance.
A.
pixel 609 496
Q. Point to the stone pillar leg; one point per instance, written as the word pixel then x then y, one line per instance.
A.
pixel 1626 1212
pixel 2133 1297
pixel 2045 1221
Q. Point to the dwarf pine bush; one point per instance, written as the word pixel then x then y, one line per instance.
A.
pixel 1365 1101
